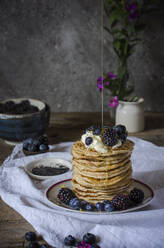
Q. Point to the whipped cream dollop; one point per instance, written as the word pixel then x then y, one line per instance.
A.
pixel 97 143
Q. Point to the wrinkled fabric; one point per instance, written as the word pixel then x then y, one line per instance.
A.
pixel 142 228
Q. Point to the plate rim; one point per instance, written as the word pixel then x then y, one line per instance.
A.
pixel 148 200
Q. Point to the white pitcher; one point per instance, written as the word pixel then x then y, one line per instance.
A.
pixel 131 115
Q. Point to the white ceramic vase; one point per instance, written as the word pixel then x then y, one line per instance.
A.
pixel 131 115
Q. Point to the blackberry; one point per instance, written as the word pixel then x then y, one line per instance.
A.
pixel 109 137
pixel 136 195
pixel 121 202
pixel 65 195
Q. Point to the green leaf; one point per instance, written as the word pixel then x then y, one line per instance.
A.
pixel 117 46
pixel 121 71
pixel 120 36
pixel 113 18
pixel 125 48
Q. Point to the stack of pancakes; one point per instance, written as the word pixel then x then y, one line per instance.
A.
pixel 101 176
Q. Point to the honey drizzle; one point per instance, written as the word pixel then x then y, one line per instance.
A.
pixel 101 69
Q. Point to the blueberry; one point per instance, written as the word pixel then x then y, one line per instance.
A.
pixel 77 243
pixel 29 141
pixel 69 240
pixel 106 127
pixel 30 236
pixel 36 142
pixel 97 131
pixel 120 129
pixel 43 139
pixel 89 207
pixel 33 244
pixel 43 147
pixel 83 204
pixel 89 238
pixel 108 207
pixel 100 206
pixel 91 128
pixel 44 246
pixel 32 148
pixel 106 201
pixel 88 141
pixel 95 246
pixel 75 203
pixel 123 137
pixel 25 145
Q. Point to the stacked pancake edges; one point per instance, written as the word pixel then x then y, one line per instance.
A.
pixel 101 162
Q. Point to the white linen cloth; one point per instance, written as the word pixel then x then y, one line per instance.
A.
pixel 142 228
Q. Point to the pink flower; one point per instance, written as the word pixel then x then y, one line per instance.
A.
pixel 113 102
pixel 107 83
pixel 100 83
pixel 84 245
pixel 111 75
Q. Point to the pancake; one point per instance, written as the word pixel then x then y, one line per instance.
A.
pixel 80 150
pixel 105 167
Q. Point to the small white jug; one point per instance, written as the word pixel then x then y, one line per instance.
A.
pixel 131 115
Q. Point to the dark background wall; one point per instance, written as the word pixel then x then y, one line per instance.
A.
pixel 50 49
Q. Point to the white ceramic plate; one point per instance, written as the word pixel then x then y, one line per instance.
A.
pixel 51 196
pixel 50 162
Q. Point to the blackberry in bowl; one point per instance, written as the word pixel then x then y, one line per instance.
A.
pixel 23 118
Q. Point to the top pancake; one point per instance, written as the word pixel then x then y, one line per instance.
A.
pixel 80 151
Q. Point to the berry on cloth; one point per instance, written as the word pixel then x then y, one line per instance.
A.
pixel 69 240
pixel 89 238
pixel 30 236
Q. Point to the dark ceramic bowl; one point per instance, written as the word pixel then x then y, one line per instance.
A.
pixel 18 127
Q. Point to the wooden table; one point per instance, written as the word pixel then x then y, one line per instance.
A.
pixel 65 127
